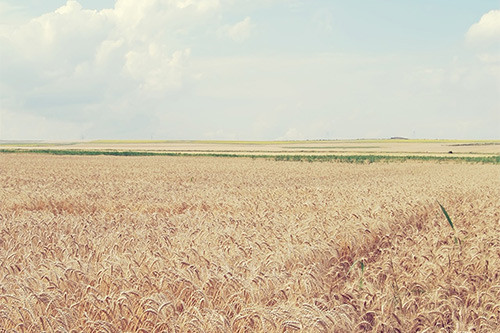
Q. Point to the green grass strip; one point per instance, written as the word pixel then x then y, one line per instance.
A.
pixel 294 158
pixel 388 158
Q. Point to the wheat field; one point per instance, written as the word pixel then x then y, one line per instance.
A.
pixel 206 244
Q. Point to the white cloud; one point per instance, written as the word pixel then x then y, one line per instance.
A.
pixel 323 19
pixel 134 38
pixel 71 6
pixel 292 134
pixel 72 47
pixel 490 58
pixel 487 30
pixel 155 68
pixel 54 43
pixel 240 31
pixel 75 64
pixel 483 38
pixel 201 5
pixel 107 49
pixel 11 14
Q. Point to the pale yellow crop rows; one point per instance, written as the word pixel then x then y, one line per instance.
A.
pixel 198 244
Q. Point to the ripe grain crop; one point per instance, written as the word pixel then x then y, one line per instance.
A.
pixel 205 244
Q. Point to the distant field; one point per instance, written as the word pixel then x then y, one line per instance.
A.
pixel 348 158
pixel 489 148
pixel 92 243
pixel 228 142
pixel 296 141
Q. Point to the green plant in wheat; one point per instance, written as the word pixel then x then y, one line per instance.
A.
pixel 456 238
pixel 362 267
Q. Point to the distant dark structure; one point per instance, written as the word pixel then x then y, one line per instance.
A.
pixel 398 138
pixel 450 152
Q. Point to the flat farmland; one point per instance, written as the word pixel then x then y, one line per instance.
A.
pixel 214 244
pixel 459 148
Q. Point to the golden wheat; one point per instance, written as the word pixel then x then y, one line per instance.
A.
pixel 199 244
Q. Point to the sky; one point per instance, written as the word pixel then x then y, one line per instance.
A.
pixel 249 69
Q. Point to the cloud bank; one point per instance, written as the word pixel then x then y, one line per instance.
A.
pixel 226 69
pixel 75 64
